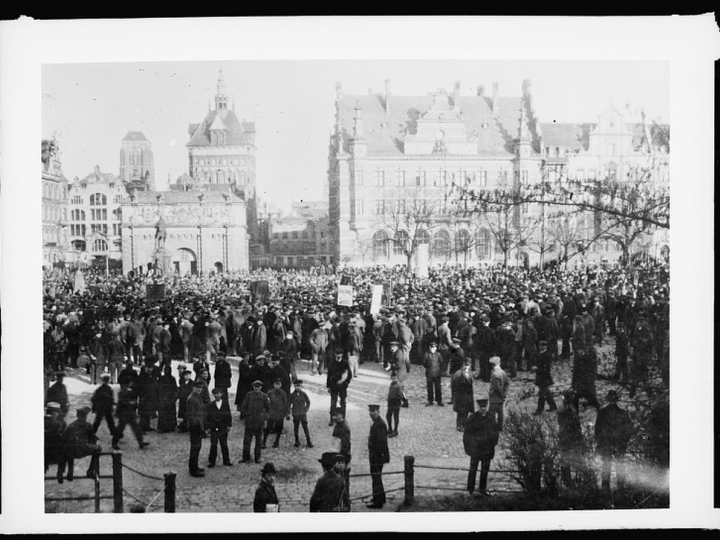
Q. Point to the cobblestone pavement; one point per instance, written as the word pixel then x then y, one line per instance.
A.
pixel 427 433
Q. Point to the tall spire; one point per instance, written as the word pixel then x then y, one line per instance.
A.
pixel 221 100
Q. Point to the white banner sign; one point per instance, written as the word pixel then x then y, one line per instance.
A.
pixel 345 295
pixel 376 301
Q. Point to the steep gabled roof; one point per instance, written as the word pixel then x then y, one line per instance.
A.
pixel 385 132
pixel 135 136
pixel 200 133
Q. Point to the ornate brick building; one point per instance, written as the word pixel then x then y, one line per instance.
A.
pixel 205 231
pixel 54 205
pixel 393 158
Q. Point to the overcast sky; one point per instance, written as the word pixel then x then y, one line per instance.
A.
pixel 91 106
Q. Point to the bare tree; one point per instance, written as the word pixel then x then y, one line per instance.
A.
pixel 408 216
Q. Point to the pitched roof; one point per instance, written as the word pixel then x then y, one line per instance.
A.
pixel 566 135
pixel 221 119
pixel 385 132
pixel 135 136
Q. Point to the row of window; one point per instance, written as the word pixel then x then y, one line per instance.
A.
pixel 96 199
pixel 53 191
pixel 298 234
pixel 218 161
pixel 442 178
pixel 96 214
pixel 300 261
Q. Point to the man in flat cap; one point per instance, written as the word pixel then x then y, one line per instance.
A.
pixel 255 409
pixel 479 440
pixel 378 454
pixel 81 441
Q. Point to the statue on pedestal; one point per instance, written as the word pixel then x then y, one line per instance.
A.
pixel 160 234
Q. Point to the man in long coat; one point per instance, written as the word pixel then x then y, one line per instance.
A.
pixel 378 454
pixel 197 426
pixel 479 440
pixel 461 385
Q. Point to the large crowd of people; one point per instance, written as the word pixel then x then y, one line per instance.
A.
pixel 464 323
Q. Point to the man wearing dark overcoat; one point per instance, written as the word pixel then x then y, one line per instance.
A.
pixel 197 426
pixel 479 440
pixel 378 454
pixel 461 386
pixel 255 409
pixel 219 421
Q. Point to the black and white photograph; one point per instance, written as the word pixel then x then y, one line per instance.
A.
pixel 301 266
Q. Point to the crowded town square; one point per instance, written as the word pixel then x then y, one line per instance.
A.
pixel 276 352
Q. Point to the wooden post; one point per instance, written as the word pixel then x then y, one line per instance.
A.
pixel 170 477
pixel 97 493
pixel 409 480
pixel 117 482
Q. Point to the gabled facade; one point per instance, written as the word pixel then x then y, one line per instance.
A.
pixel 222 153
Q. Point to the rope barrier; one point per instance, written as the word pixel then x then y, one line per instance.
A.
pixel 133 496
pixel 155 497
pixel 142 474
pixel 371 494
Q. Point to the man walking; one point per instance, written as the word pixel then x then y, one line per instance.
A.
pixel 299 406
pixel 103 401
pixel 378 454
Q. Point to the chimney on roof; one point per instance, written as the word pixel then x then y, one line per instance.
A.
pixel 387 96
pixel 481 90
pixel 456 94
pixel 495 103
pixel 338 92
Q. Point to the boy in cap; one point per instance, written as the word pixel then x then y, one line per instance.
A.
pixel 266 499
pixel 299 406
pixel 341 434
pixel 479 440
pixel 378 454
pixel 255 408
pixel 279 411
pixel 395 398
